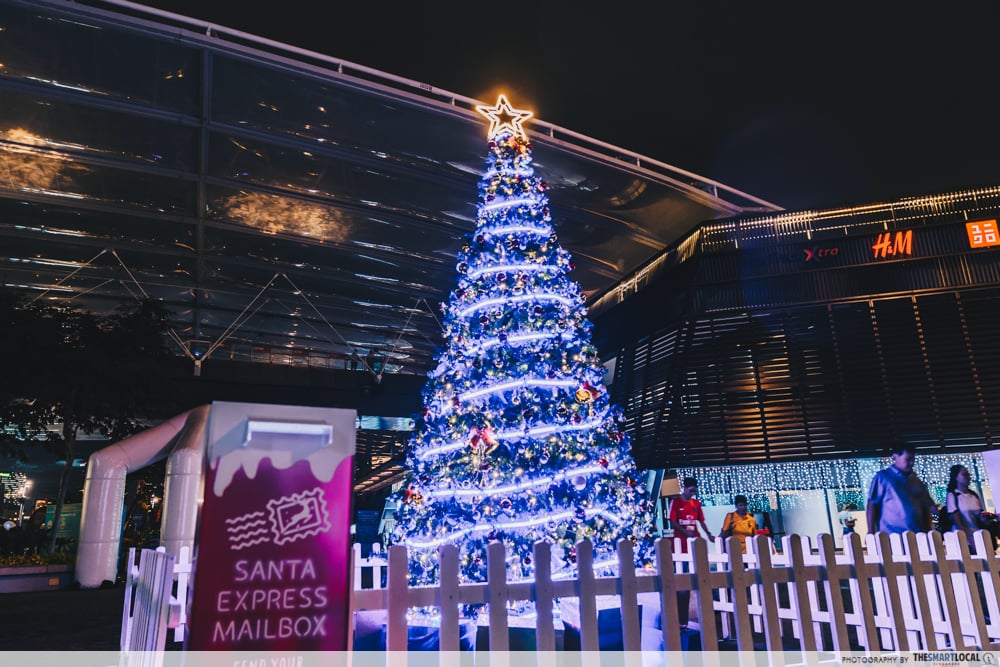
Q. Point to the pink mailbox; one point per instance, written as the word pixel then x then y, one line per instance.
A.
pixel 272 553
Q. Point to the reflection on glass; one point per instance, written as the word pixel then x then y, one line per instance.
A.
pixel 273 214
pixel 24 167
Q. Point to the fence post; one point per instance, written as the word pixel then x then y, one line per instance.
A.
pixel 148 628
pixel 740 580
pixel 957 579
pixel 587 596
pixel 182 569
pixel 396 631
pixel 861 585
pixel 891 572
pixel 544 593
pixel 920 571
pixel 628 598
pixel 990 579
pixel 496 597
pixel 798 594
pixel 835 576
pixel 667 577
pixel 131 574
pixel 698 548
pixel 448 596
pixel 767 579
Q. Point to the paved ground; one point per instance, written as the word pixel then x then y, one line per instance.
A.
pixel 90 620
pixel 66 620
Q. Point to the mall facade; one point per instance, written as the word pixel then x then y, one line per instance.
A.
pixel 780 355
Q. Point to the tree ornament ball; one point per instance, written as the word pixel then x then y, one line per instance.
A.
pixel 579 482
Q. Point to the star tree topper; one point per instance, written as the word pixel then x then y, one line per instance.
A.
pixel 505 117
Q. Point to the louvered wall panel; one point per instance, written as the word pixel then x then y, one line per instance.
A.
pixel 982 315
pixel 718 267
pixel 718 298
pixel 862 387
pixel 696 433
pixel 912 409
pixel 814 362
pixel 960 411
pixel 647 385
pixel 632 379
pixel 984 269
pixel 941 240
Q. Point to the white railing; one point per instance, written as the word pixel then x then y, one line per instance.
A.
pixel 374 566
pixel 902 593
pixel 895 593
pixel 156 597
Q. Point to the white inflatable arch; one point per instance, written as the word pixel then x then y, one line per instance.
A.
pixel 182 441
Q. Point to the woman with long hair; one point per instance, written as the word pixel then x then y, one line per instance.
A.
pixel 963 504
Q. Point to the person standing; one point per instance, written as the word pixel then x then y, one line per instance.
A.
pixel 740 523
pixel 684 515
pixel 963 504
pixel 847 518
pixel 898 500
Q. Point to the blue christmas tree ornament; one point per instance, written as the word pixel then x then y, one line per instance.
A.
pixel 518 441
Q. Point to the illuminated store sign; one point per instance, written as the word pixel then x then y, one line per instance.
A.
pixel 816 253
pixel 891 244
pixel 982 233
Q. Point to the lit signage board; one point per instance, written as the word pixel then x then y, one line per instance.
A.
pixel 982 233
pixel 818 253
pixel 893 244
pixel 272 570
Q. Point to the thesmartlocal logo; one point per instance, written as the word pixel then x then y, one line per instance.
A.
pixel 954 658
pixel 936 658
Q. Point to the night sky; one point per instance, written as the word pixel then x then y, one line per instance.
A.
pixel 806 105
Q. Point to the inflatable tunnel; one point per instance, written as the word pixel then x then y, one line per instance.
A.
pixel 182 441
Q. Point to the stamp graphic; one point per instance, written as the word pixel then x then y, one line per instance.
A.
pixel 288 518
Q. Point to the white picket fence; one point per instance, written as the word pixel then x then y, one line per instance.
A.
pixel 156 596
pixel 895 593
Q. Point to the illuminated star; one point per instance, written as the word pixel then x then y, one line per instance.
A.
pixel 505 117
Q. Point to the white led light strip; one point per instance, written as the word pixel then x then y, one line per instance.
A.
pixel 514 435
pixel 514 299
pixel 520 382
pixel 509 203
pixel 472 275
pixel 520 172
pixel 527 523
pixel 514 488
pixel 503 386
pixel 504 230
pixel 511 340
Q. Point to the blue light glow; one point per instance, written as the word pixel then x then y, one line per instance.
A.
pixel 513 268
pixel 499 301
pixel 517 440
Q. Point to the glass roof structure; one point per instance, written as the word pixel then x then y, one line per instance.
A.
pixel 275 198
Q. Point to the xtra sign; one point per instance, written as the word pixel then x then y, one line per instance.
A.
pixel 273 548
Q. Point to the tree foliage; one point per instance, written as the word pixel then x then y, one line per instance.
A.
pixel 71 371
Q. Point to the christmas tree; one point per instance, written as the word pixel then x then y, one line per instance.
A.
pixel 517 440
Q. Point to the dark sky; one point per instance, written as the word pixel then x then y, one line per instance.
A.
pixel 807 105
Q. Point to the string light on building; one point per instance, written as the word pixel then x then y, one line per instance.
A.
pixel 841 475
